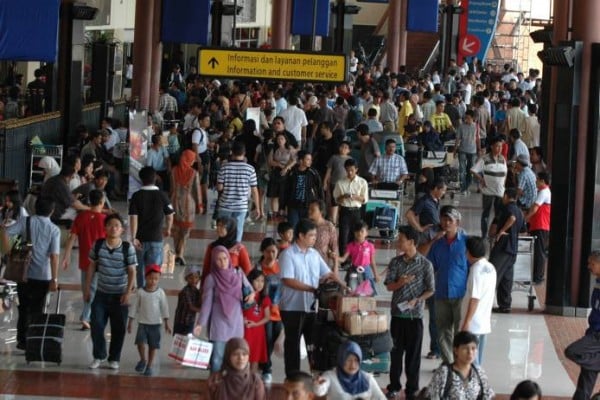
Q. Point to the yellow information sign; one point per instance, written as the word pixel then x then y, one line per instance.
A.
pixel 272 65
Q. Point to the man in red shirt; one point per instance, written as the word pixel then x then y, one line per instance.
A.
pixel 87 227
pixel 538 218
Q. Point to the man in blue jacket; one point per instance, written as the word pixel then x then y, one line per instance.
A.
pixel 448 256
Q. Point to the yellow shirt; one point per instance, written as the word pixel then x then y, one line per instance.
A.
pixel 441 122
pixel 405 111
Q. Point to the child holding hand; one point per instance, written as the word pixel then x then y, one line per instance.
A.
pixel 255 319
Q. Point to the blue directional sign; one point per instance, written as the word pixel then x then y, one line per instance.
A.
pixel 477 27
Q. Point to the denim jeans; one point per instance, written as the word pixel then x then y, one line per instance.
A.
pixel 87 305
pixel 434 346
pixel 272 330
pixel 239 217
pixel 216 358
pixel 107 307
pixel 295 214
pixel 480 347
pixel 465 163
pixel 488 203
pixel 151 253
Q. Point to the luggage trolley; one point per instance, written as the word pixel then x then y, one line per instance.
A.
pixel 385 210
pixel 523 269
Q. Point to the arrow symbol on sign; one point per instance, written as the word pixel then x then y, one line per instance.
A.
pixel 467 46
pixel 213 62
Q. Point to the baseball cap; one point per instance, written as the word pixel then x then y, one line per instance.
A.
pixel 450 211
pixel 152 268
pixel 523 160
pixel 191 269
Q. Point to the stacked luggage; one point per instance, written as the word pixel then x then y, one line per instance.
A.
pixel 356 319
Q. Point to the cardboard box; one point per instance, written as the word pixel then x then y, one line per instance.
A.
pixel 350 303
pixel 365 323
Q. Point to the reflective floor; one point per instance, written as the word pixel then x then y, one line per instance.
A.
pixel 520 347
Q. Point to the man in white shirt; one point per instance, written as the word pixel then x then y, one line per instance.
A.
pixel 200 141
pixel 295 120
pixel 478 301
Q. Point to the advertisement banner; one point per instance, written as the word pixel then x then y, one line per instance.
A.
pixel 139 137
pixel 477 27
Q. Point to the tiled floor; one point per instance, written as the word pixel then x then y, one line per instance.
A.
pixel 523 345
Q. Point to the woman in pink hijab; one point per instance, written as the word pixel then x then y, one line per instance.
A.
pixel 221 310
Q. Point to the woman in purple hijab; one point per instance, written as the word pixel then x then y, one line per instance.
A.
pixel 221 310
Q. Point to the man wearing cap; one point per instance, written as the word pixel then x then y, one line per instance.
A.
pixel 526 186
pixel 505 231
pixel 448 256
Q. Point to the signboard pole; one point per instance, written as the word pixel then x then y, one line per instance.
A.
pixel 314 26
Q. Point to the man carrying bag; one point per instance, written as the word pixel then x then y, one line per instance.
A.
pixel 42 273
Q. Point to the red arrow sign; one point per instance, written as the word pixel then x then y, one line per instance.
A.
pixel 469 45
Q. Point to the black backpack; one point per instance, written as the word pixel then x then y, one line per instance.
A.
pixel 124 248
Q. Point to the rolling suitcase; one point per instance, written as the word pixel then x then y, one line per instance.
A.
pixel 45 336
pixel 386 220
pixel 371 345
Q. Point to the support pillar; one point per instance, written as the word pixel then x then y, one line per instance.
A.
pixel 142 52
pixel 560 33
pixel 587 30
pixel 279 23
pixel 403 32
pixel 394 34
pixel 156 56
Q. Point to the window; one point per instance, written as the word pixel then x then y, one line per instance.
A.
pixel 247 38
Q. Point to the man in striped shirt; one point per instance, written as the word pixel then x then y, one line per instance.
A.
pixel 235 180
pixel 490 170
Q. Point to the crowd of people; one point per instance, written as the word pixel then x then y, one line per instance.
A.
pixel 306 163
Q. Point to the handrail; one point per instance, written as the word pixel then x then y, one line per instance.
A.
pixel 432 58
pixel 19 122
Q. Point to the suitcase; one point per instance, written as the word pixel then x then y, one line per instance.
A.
pixel 45 336
pixel 386 219
pixel 378 364
pixel 371 345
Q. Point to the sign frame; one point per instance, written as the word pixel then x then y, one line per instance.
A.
pixel 340 76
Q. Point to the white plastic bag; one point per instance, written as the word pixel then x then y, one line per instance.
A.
pixel 303 351
pixel 278 346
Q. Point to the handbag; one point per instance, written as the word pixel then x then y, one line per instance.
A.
pixel 19 258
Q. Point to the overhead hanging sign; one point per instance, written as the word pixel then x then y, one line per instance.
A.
pixel 303 17
pixel 29 30
pixel 422 16
pixel 185 21
pixel 477 27
pixel 272 65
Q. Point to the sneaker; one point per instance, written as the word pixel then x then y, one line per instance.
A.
pixel 148 372
pixel 213 225
pixel 391 394
pixel 113 364
pixel 140 366
pixel 95 364
pixel 267 378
